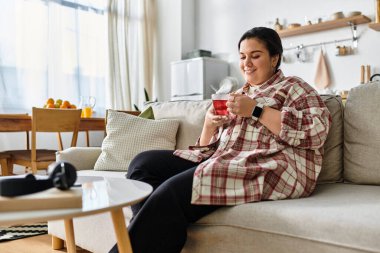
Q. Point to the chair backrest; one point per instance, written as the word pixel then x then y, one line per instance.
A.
pixel 55 120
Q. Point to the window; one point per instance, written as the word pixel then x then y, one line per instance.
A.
pixel 53 49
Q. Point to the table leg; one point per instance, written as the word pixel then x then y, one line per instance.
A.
pixel 87 138
pixel 122 237
pixel 70 239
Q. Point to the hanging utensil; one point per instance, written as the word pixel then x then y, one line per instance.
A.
pixel 373 77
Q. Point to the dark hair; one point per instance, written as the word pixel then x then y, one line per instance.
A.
pixel 269 37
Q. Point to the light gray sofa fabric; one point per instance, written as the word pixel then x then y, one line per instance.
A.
pixel 83 158
pixel 341 215
pixel 252 241
pixel 362 135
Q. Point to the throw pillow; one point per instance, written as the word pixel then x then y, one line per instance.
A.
pixel 129 135
pixel 332 165
pixel 362 135
pixel 147 113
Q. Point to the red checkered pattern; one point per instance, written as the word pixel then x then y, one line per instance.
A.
pixel 245 162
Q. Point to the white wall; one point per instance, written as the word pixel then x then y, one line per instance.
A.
pixel 220 23
pixel 176 36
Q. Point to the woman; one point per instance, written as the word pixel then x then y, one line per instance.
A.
pixel 269 147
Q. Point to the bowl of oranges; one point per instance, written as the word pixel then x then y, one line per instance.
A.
pixel 59 104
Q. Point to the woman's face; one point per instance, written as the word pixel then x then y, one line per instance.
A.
pixel 256 65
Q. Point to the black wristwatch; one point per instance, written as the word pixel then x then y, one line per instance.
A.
pixel 257 111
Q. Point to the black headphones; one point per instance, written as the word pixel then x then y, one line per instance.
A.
pixel 62 175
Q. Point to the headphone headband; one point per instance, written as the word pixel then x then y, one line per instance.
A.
pixel 62 175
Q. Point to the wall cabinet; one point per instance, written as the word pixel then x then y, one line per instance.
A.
pixel 193 79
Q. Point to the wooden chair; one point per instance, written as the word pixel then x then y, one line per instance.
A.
pixel 4 159
pixel 47 120
pixel 8 125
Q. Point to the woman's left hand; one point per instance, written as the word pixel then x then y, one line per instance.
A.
pixel 240 105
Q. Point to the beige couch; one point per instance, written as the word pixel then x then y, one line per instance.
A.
pixel 342 215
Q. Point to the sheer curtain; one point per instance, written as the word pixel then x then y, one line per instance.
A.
pixel 132 57
pixel 52 48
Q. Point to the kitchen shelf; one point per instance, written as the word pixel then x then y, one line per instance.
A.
pixel 327 25
pixel 375 26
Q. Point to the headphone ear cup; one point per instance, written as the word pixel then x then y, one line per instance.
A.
pixel 62 174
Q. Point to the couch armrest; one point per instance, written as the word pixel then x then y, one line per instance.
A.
pixel 83 158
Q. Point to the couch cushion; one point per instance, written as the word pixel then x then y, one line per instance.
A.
pixel 362 135
pixel 332 165
pixel 83 158
pixel 337 214
pixel 129 135
pixel 191 115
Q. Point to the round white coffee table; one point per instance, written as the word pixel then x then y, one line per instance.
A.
pixel 106 195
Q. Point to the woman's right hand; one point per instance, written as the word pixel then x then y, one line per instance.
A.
pixel 213 121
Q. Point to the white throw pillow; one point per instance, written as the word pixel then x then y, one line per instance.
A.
pixel 129 135
pixel 191 115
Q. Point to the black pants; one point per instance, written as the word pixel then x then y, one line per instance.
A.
pixel 160 223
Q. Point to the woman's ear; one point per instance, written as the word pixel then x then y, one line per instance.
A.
pixel 275 60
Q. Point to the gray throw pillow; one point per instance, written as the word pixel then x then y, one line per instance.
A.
pixel 332 165
pixel 362 135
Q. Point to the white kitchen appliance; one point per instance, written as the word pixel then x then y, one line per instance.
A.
pixel 197 78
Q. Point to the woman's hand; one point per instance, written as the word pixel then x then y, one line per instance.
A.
pixel 213 120
pixel 240 105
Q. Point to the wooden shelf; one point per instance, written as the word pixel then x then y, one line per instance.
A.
pixel 375 26
pixel 327 25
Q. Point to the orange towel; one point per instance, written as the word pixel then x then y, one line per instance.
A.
pixel 322 75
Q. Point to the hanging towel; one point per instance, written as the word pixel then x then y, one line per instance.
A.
pixel 322 75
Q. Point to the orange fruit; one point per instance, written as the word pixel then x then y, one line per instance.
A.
pixel 50 101
pixel 50 106
pixel 73 106
pixel 66 104
pixel 58 101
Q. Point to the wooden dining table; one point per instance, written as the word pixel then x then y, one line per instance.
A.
pixel 23 123
pixel 20 123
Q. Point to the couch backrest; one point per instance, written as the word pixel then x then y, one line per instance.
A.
pixel 191 115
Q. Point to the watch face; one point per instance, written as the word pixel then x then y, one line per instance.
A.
pixel 257 112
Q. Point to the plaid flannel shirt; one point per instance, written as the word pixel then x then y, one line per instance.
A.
pixel 245 162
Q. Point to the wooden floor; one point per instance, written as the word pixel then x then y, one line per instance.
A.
pixel 35 244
